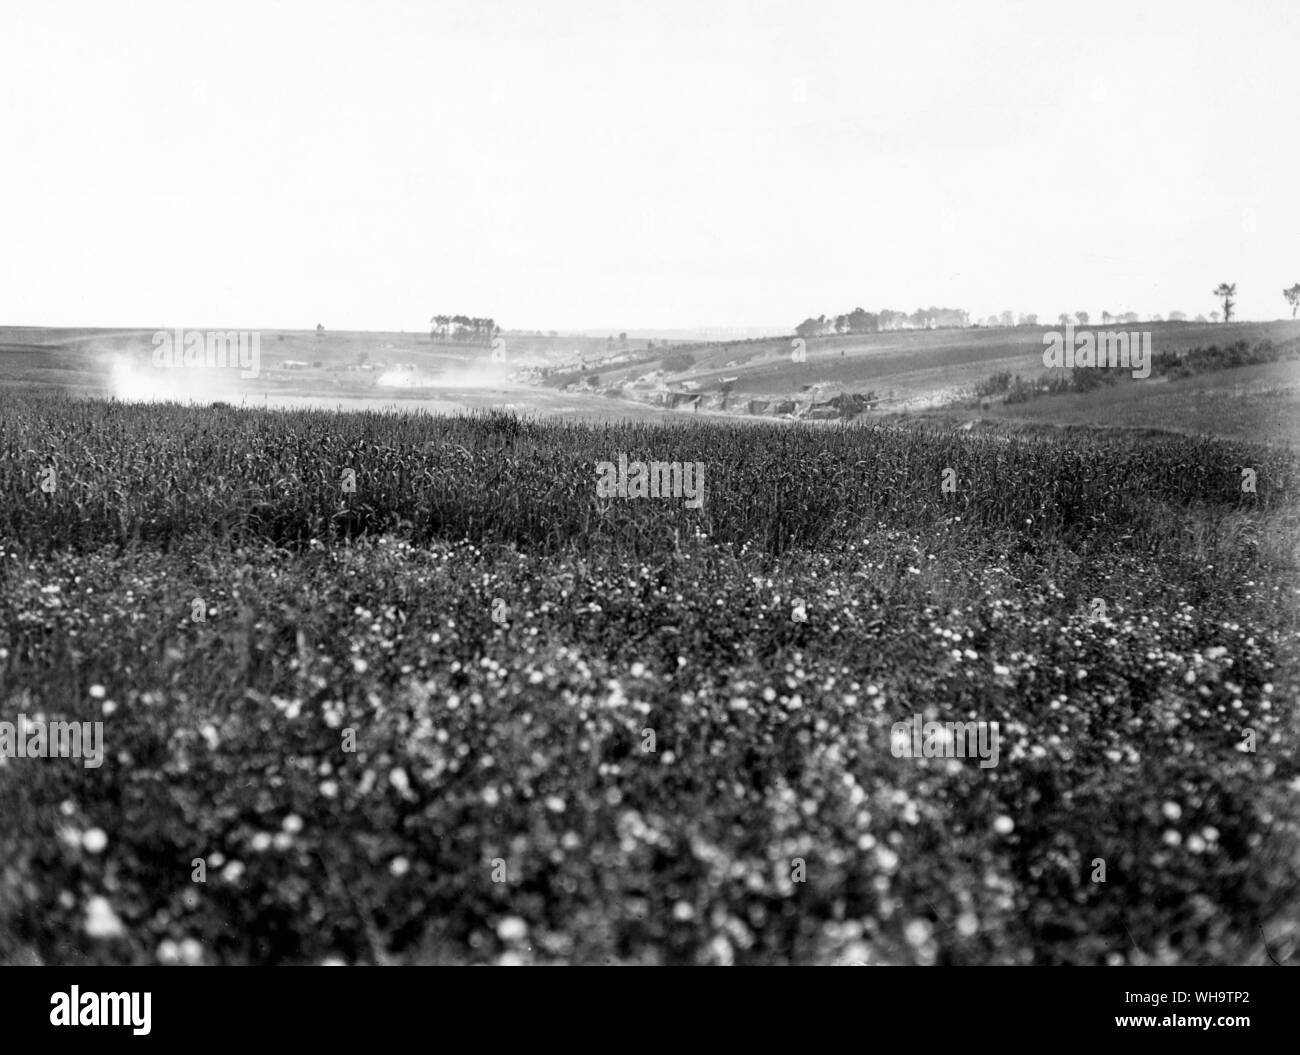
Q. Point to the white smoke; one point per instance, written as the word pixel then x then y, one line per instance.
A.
pixel 133 380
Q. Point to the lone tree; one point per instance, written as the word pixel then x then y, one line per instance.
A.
pixel 1293 297
pixel 1227 292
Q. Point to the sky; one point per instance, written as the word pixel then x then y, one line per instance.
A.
pixel 560 164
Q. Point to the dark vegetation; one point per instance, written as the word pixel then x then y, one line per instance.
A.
pixel 589 729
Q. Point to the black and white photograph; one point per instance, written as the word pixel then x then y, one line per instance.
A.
pixel 696 483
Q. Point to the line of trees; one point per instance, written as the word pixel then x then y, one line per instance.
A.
pixel 1008 318
pixel 861 321
pixel 1227 292
pixel 464 328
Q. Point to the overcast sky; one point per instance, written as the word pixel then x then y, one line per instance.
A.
pixel 663 163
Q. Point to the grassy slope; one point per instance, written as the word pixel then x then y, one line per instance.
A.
pixel 523 745
pixel 1260 403
pixel 917 363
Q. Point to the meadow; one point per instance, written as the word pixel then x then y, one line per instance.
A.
pixel 394 688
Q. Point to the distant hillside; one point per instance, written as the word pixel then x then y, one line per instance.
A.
pixel 645 378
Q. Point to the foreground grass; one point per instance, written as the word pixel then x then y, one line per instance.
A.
pixel 673 742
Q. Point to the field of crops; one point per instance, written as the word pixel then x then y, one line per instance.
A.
pixel 382 688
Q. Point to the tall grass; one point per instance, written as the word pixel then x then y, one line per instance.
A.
pixel 153 475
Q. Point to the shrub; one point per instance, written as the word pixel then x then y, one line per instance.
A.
pixel 994 385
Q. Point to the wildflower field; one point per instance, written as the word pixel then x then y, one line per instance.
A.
pixel 383 688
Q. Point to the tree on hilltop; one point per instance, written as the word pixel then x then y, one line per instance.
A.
pixel 1226 292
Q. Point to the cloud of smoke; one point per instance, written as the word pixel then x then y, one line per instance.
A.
pixel 134 381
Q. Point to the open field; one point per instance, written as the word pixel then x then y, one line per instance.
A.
pixel 469 711
pixel 909 372
pixel 455 377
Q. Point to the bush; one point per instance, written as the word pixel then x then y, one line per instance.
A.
pixel 1202 359
pixel 1087 378
pixel 994 385
pixel 1021 391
